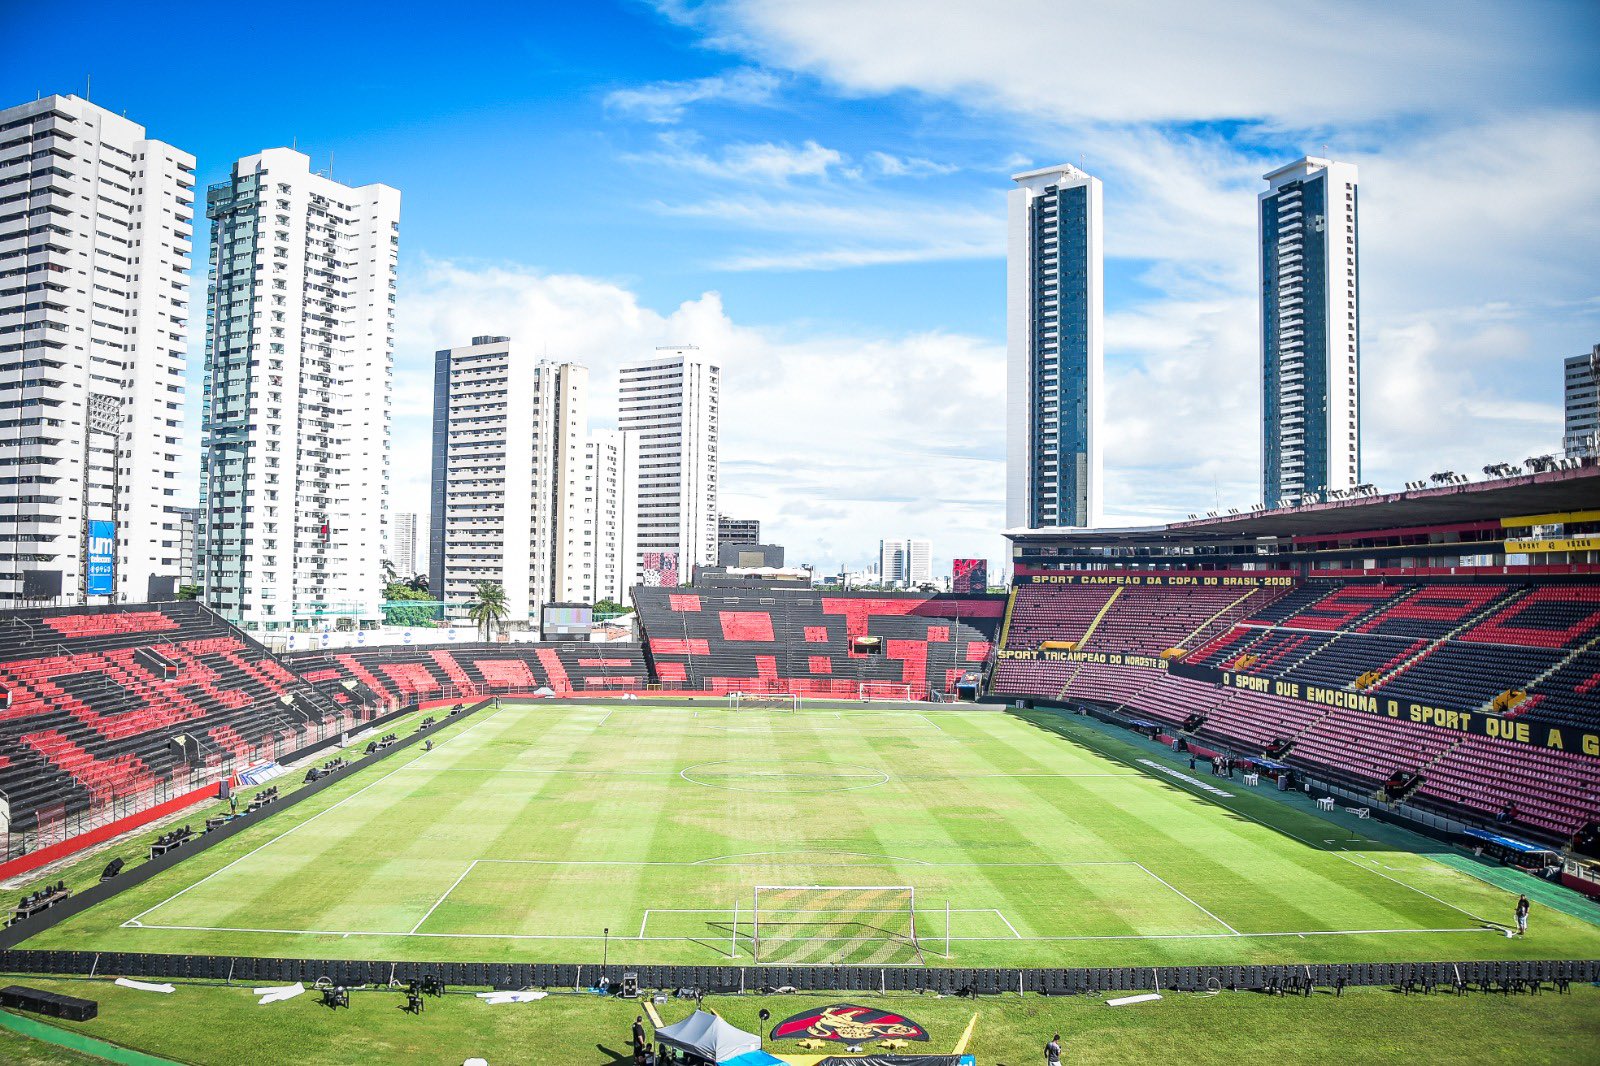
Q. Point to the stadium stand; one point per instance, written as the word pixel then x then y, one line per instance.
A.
pixel 815 643
pixel 1527 648
pixel 396 674
pixel 106 706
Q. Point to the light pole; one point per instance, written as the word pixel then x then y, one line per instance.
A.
pixel 605 951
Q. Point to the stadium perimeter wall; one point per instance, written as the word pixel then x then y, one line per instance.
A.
pixel 729 979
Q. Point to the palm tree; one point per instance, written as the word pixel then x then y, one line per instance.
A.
pixel 418 583
pixel 489 608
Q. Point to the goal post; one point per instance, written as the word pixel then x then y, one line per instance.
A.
pixel 835 925
pixel 766 701
pixel 885 690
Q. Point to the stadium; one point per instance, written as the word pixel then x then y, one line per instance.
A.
pixel 1284 768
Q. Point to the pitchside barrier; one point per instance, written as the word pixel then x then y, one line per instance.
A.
pixel 1498 976
pixel 12 935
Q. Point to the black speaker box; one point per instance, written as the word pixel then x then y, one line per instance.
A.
pixel 50 1004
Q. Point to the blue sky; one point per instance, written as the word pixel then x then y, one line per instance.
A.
pixel 814 193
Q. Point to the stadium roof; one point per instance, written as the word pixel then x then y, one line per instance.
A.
pixel 1553 492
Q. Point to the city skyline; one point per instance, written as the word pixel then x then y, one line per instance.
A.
pixel 795 240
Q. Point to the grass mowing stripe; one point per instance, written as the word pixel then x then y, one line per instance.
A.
pixel 511 867
pixel 301 825
pixel 1341 852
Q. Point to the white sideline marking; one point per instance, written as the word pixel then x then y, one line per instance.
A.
pixel 1009 926
pixel 606 719
pixel 930 721
pixel 1207 913
pixel 314 817
pixel 679 939
pixel 447 892
pixel 568 770
pixel 851 865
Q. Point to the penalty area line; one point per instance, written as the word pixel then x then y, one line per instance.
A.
pixel 453 885
pixel 1191 901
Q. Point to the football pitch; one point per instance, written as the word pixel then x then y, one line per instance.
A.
pixel 849 834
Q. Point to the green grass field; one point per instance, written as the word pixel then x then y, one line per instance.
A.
pixel 530 830
pixel 214 1024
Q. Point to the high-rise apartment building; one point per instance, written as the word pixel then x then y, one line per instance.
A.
pixel 403 545
pixel 599 554
pixel 905 563
pixel 672 403
pixel 1055 310
pixel 96 221
pixel 737 531
pixel 1310 331
pixel 294 488
pixel 509 436
pixel 188 540
pixel 1582 392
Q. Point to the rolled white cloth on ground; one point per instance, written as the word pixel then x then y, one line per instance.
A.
pixel 143 986
pixel 511 997
pixel 279 993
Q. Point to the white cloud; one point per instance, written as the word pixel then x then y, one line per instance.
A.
pixel 666 102
pixel 832 441
pixel 859 230
pixel 1170 60
pixel 760 163
pixel 907 166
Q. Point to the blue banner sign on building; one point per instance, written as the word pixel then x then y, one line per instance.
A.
pixel 102 557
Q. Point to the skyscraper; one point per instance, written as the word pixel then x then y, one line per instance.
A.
pixel 599 553
pixel 1310 331
pixel 403 545
pixel 508 449
pixel 1582 392
pixel 95 227
pixel 905 563
pixel 299 354
pixel 1054 349
pixel 672 402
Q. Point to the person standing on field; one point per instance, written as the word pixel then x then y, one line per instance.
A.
pixel 1522 915
pixel 1052 1051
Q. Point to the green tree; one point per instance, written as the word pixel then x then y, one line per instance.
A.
pixel 398 593
pixel 489 608
pixel 188 592
pixel 608 609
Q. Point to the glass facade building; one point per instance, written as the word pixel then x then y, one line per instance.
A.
pixel 1310 332
pixel 1055 309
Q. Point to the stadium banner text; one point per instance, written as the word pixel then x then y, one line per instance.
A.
pixel 1472 723
pixel 1202 580
pixel 1101 658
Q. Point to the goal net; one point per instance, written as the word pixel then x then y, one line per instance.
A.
pixel 885 690
pixel 853 925
pixel 767 701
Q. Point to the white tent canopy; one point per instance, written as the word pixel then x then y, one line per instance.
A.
pixel 708 1036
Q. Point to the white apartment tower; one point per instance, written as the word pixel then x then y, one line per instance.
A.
pixel 1582 402
pixel 403 545
pixel 905 563
pixel 95 227
pixel 672 403
pixel 597 556
pixel 1310 331
pixel 294 492
pixel 1055 351
pixel 509 444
